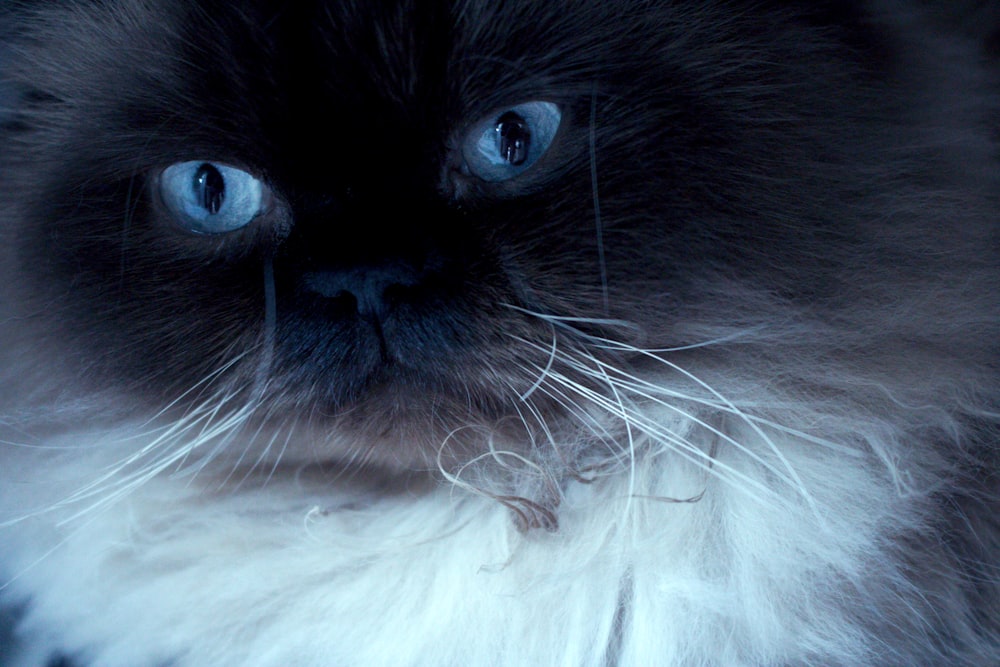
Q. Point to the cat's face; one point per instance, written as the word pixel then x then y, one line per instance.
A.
pixel 389 225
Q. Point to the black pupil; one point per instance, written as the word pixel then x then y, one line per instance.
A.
pixel 210 188
pixel 515 138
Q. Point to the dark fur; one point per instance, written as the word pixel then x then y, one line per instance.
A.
pixel 772 166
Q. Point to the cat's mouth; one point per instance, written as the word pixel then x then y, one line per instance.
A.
pixel 396 424
pixel 417 411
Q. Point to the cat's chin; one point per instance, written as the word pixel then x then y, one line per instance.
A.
pixel 393 427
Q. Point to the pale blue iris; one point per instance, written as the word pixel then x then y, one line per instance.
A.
pixel 211 198
pixel 488 150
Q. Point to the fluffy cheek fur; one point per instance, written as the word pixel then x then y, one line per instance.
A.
pixel 731 343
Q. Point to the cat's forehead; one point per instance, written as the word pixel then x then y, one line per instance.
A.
pixel 247 81
pixel 484 52
pixel 410 51
pixel 418 56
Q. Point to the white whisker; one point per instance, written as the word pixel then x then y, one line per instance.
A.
pixel 541 376
pixel 616 380
pixel 654 393
pixel 800 486
pixel 660 434
pixel 269 332
pixel 566 322
pixel 598 222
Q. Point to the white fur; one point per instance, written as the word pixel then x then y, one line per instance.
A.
pixel 695 569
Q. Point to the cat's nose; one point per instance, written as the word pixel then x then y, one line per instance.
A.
pixel 372 290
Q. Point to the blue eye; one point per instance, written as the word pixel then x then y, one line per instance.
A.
pixel 211 198
pixel 503 146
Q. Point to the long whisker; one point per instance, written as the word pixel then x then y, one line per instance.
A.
pixel 598 222
pixel 800 486
pixel 206 422
pixel 616 380
pixel 541 376
pixel 660 434
pixel 629 435
pixel 637 388
pixel 636 419
pixel 654 353
pixel 269 332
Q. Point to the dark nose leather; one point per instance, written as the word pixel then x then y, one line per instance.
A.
pixel 373 289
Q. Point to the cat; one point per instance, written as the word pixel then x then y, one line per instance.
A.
pixel 459 332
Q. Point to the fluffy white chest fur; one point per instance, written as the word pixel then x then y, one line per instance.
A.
pixel 766 558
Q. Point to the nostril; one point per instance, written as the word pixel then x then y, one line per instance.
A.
pixel 346 300
pixel 366 291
